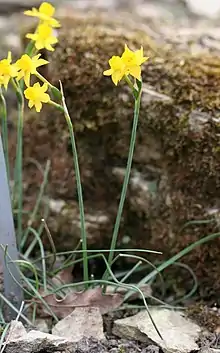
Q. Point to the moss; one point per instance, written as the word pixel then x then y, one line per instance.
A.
pixel 188 157
pixel 204 316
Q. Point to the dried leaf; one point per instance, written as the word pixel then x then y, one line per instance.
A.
pixel 65 276
pixel 88 298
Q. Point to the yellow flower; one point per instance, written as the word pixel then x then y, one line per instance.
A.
pixel 45 13
pixel 43 37
pixel 128 64
pixel 117 69
pixel 36 96
pixel 7 70
pixel 27 66
pixel 133 61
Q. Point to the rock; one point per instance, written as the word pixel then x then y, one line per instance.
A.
pixel 209 9
pixel 11 6
pixel 179 334
pixel 175 175
pixel 16 330
pixel 35 341
pixel 82 322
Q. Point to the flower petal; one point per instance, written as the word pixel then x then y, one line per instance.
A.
pixel 135 71
pixel 44 88
pixel 47 9
pixel 45 98
pixel 30 104
pixel 27 78
pixel 32 12
pixel 108 72
pixel 38 106
pixel 116 77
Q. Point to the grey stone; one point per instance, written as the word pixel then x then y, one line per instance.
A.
pixel 82 322
pixel 209 8
pixel 179 334
pixel 16 330
pixel 35 341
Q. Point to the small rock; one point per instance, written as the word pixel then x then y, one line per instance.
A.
pixel 209 8
pixel 16 330
pixel 179 334
pixel 82 322
pixel 36 341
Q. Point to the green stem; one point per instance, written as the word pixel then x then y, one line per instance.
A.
pixel 30 48
pixel 18 187
pixel 3 112
pixel 43 79
pixel 79 191
pixel 37 205
pixel 126 179
pixel 130 84
pixel 57 94
pixel 57 106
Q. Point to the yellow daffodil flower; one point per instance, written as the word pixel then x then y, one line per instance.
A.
pixel 117 69
pixel 128 64
pixel 28 66
pixel 43 37
pixel 7 70
pixel 44 13
pixel 133 61
pixel 36 96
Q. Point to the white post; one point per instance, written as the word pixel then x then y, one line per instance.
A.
pixel 12 291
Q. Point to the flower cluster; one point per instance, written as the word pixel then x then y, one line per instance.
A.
pixel 44 36
pixel 28 64
pixel 128 64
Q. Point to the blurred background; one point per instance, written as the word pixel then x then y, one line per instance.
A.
pixel 209 8
pixel 170 20
pixel 183 12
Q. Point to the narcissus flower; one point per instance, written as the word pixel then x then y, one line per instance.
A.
pixel 128 64
pixel 43 37
pixel 133 61
pixel 7 71
pixel 28 66
pixel 117 69
pixel 44 13
pixel 36 96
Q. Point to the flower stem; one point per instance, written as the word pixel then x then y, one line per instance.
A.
pixel 79 191
pixel 126 179
pixel 130 84
pixel 43 79
pixel 54 90
pixel 57 106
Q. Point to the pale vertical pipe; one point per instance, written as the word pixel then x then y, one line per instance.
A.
pixel 12 291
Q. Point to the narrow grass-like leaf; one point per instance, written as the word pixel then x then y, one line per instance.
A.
pixel 79 187
pixel 37 204
pixel 176 257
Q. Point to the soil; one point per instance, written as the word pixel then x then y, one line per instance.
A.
pixel 113 345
